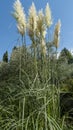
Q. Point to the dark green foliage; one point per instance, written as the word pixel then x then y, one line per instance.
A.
pixel 14 48
pixel 5 56
pixel 65 70
pixel 66 100
pixel 66 56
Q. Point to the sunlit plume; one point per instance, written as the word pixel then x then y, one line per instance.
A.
pixel 48 17
pixel 57 34
pixel 19 15
pixel 41 28
pixel 32 20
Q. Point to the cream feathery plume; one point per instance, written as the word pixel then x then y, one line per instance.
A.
pixel 32 20
pixel 57 34
pixel 41 28
pixel 48 17
pixel 19 15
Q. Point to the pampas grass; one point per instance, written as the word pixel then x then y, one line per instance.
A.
pixel 34 105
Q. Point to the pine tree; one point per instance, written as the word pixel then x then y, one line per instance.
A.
pixel 5 56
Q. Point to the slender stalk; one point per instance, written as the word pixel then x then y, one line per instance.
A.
pixel 41 54
pixel 46 128
pixel 22 40
pixel 53 89
pixel 53 96
pixel 58 89
pixel 19 112
pixel 49 65
pixel 33 123
pixel 23 109
pixel 20 65
pixel 21 58
pixel 35 62
pixel 25 41
pixel 25 47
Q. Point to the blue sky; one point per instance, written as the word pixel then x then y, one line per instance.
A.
pixel 61 9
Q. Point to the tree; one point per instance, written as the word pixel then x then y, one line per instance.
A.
pixel 5 56
pixel 66 56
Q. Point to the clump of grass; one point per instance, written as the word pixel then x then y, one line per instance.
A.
pixel 35 105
